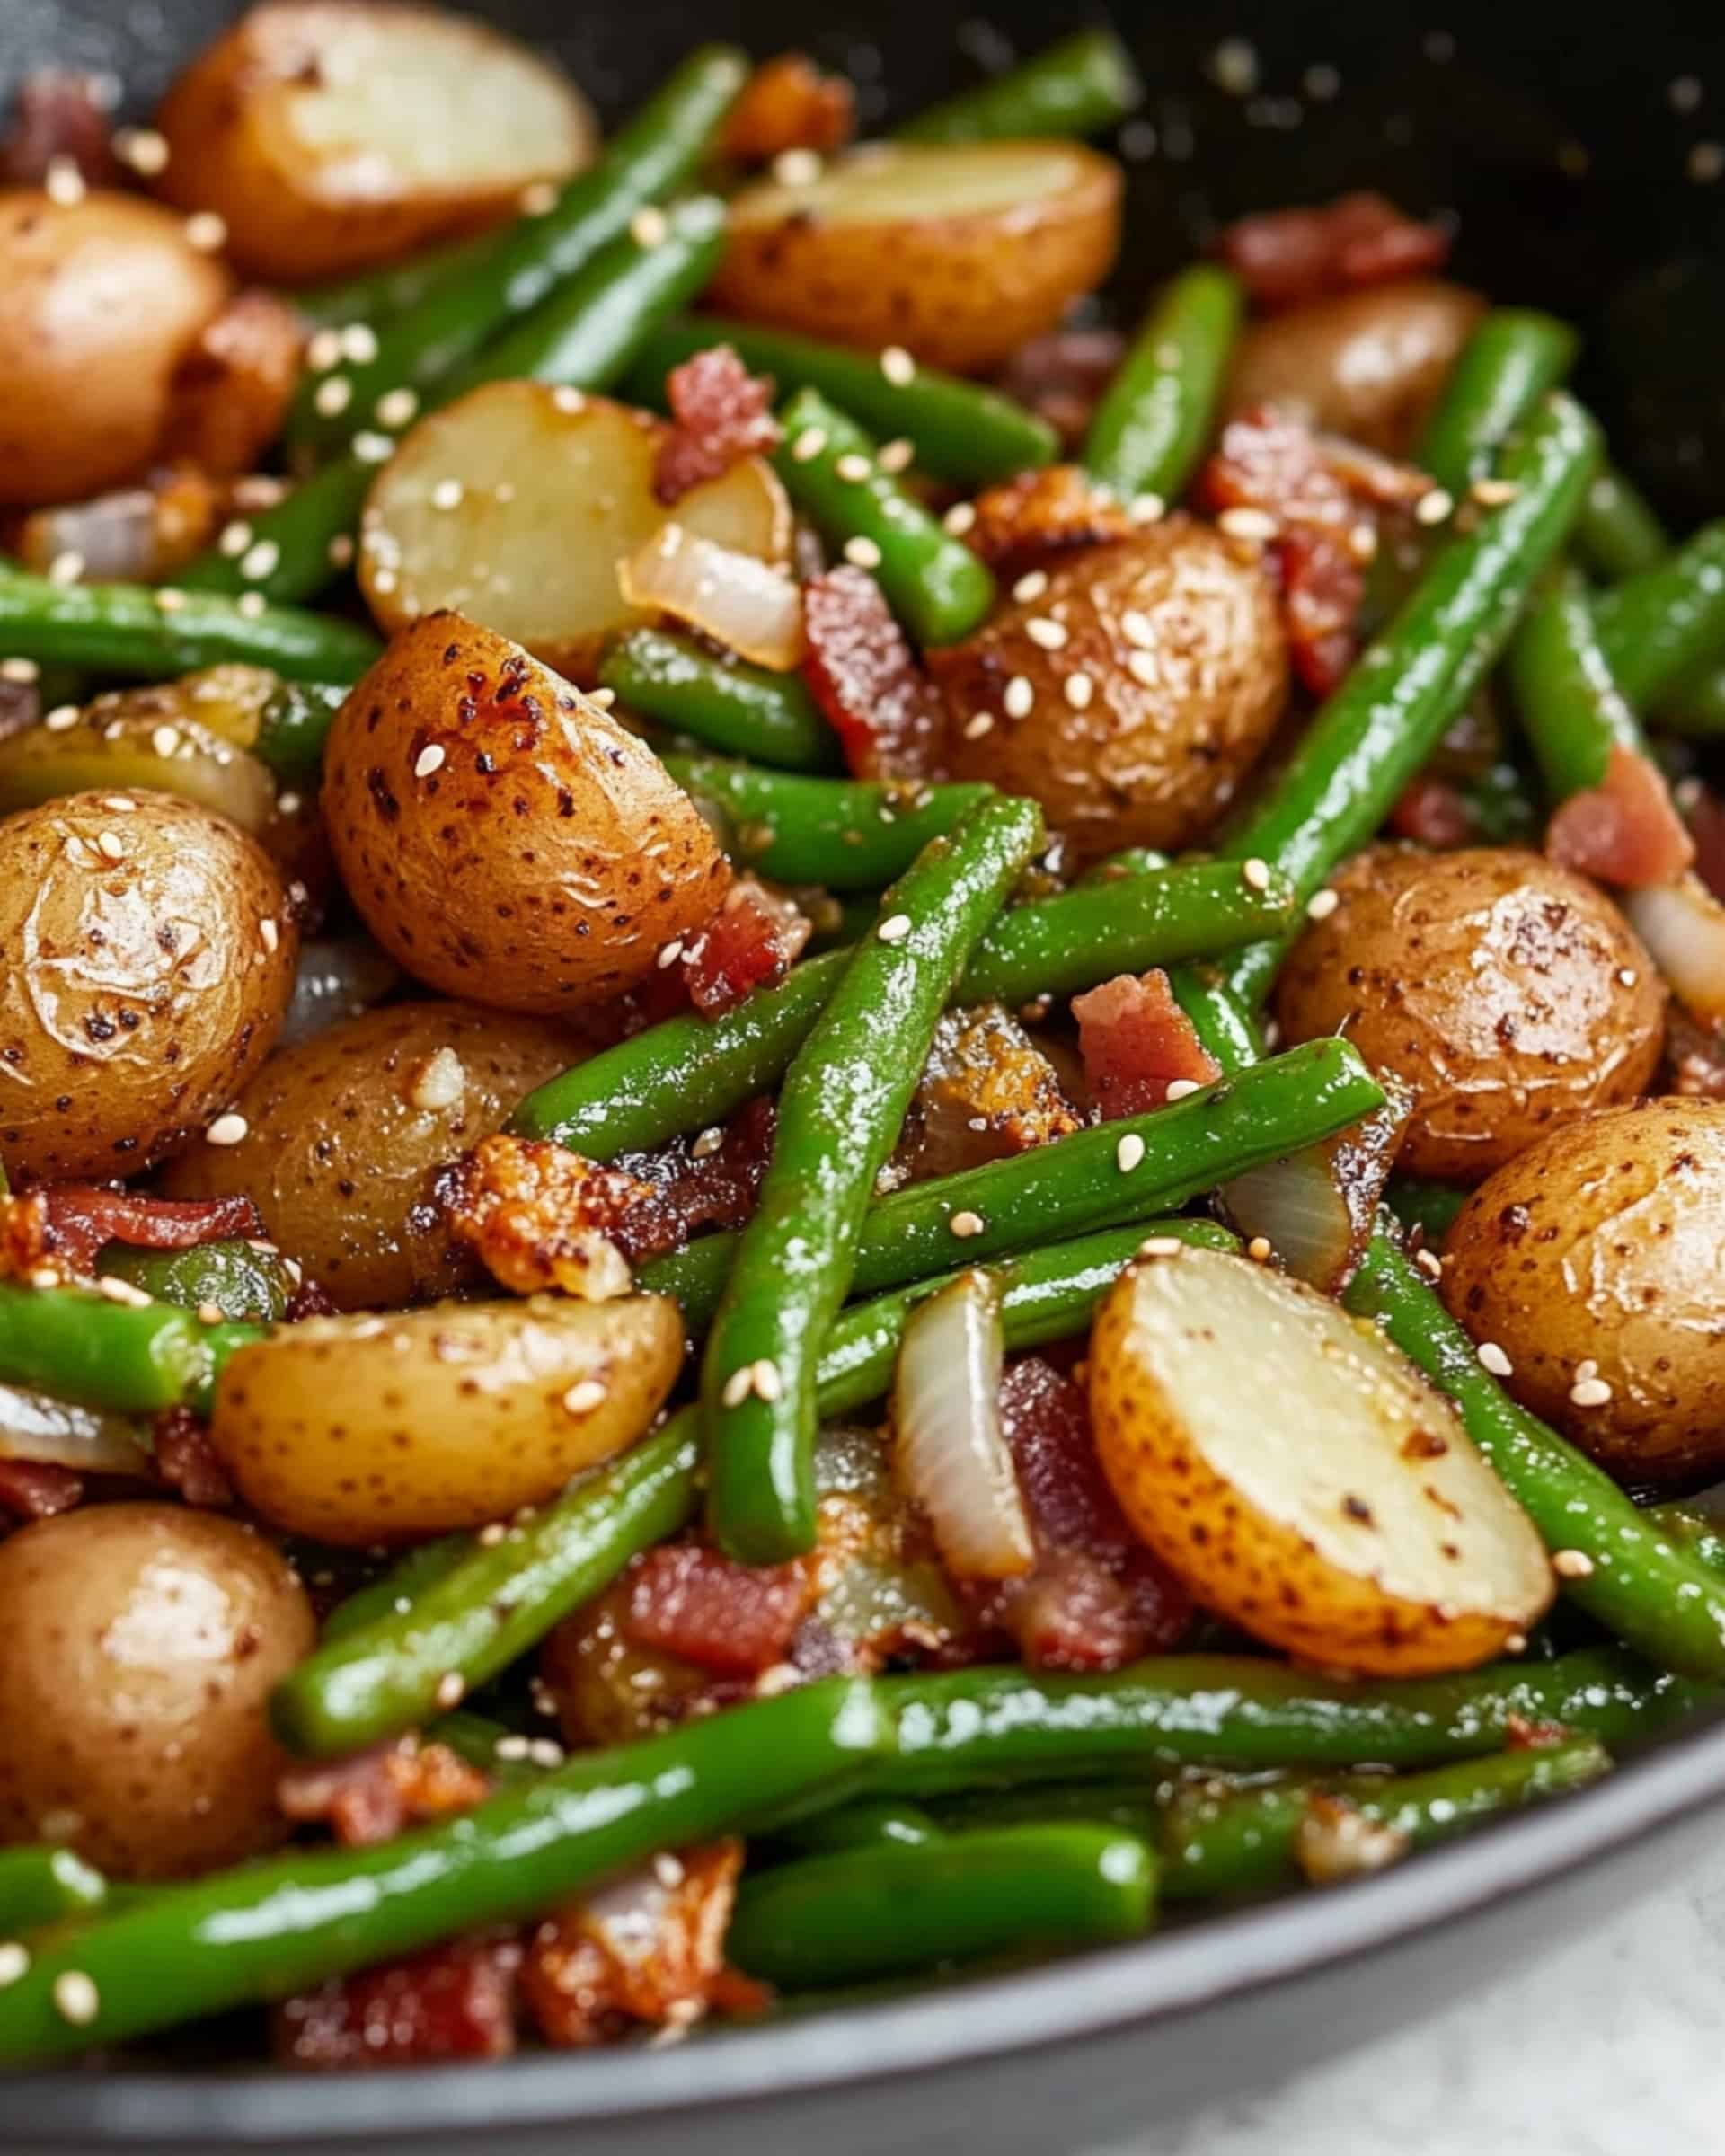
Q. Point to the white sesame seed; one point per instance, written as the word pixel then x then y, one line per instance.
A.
pixel 545 1752
pixel 894 928
pixel 966 1224
pixel 1146 509
pixel 567 399
pixel 1429 1264
pixel 430 758
pixel 1178 1088
pixel 323 351
pixel 707 1143
pixel 1255 525
pixel 258 491
pixel 1129 1152
pixel 1255 874
pixel 977 725
pixel 1161 1246
pixel 582 1398
pixel 260 560
pixel 339 549
pixel 209 1313
pixel 768 1382
pixel 396 407
pixel 897 365
pixel 1571 1564
pixel 1144 668
pixel 808 445
pixel 649 227
pixel 143 149
pixel 1492 493
pixel 1627 977
pixel 251 604
pixel 1259 1249
pixel 1046 634
pixel 75 1997
pixel 447 494
pixel 862 551
pixel 492 1534
pixel 452 1689
pixel 1320 904
pixel 1018 697
pixel 168 599
pixel 228 1129
pixel 1139 629
pixel 959 518
pixel 1434 506
pixel 896 456
pixel 270 935
pixel 234 538
pixel 14 1960
pixel 109 845
pixel 1079 688
pixel 62 718
pixel 63 183
pixel 671 954
pixel 853 467
pixel 1590 1392
pixel 796 168
pixel 20 670
pixel 537 199
pixel 359 343
pixel 67 567
pixel 333 396
pixel 440 1082
pixel 371 449
pixel 44 1275
pixel 738 1387
pixel 1362 543
pixel 1031 585
pixel 601 699
pixel 1493 1358
pixel 511 1748
pixel 122 1291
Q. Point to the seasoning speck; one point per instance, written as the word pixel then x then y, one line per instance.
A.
pixel 1493 1358
pixel 228 1129
pixel 966 1224
pixel 1571 1564
pixel 582 1398
pixel 862 551
pixel 897 365
pixel 1129 1152
pixel 894 928
pixel 75 1998
pixel 429 759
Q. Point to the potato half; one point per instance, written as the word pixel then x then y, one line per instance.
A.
pixel 372 1429
pixel 960 254
pixel 1301 1477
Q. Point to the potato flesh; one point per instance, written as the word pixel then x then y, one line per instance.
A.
pixel 884 184
pixel 1301 1477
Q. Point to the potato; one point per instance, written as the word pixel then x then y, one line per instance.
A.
pixel 104 299
pixel 1173 714
pixel 551 491
pixel 329 135
pixel 346 1133
pixel 1300 1476
pixel 142 1644
pixel 369 1430
pixel 1370 364
pixel 1508 993
pixel 960 253
pixel 1596 1262
pixel 231 393
pixel 503 838
pixel 145 739
pixel 147 957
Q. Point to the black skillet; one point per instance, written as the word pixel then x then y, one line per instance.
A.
pixel 1554 137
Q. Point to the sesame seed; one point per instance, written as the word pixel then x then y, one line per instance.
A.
pixel 67 567
pixel 1046 633
pixel 1031 585
pixel 601 699
pixel 1256 524
pixel 1139 629
pixel 235 537
pixel 270 935
pixel 143 149
pixel 62 718
pixel 582 1398
pixel 1320 904
pixel 545 1752
pixel 649 227
pixel 1161 1246
pixel 671 954
pixel 737 1387
pixel 1587 1367
pixel 251 604
pixel 511 1748
pixel 1571 1564
pixel 959 518
pixel 360 343
pixel 323 351
pixel 228 1129
pixel 966 1224
pixel 14 1960
pixel 1129 1152
pixel 452 1688
pixel 897 365
pixel 492 1534
pixel 1144 668
pixel 976 727
pixel 44 1275
pixel 75 1997
pixel 894 928
pixel 538 199
pixel 1146 509
pixel 768 1382
pixel 1434 506
pixel 1492 493
pixel 122 1291
pixel 568 399
pixel 333 396
pixel 1178 1088
pixel 1590 1392
pixel 109 845
pixel 1078 689
pixel 1259 1249
pixel 1255 873
pixel 1627 976
pixel 169 598
pixel 808 445
pixel 447 494
pixel 862 551
pixel 796 168
pixel 707 1143
pixel 1362 543
pixel 261 560
pixel 853 466
pixel 896 456
pixel 339 549
pixel 20 670
pixel 1018 697
pixel 209 1313
pixel 373 448
pixel 1493 1358
pixel 1429 1264
pixel 63 183
pixel 429 759
pixel 396 407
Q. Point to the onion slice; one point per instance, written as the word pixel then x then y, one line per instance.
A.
pixel 1297 1207
pixel 1683 925
pixel 731 596
pixel 35 1427
pixel 953 1455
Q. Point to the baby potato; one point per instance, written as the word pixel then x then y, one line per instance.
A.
pixel 329 135
pixel 370 1430
pixel 1173 714
pixel 142 737
pixel 1300 1476
pixel 147 957
pixel 104 298
pixel 1509 994
pixel 503 838
pixel 960 253
pixel 1370 364
pixel 142 1644
pixel 345 1134
pixel 1596 1262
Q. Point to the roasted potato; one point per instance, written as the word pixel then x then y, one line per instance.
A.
pixel 517 505
pixel 142 1645
pixel 958 253
pixel 105 297
pixel 386 1429
pixel 503 838
pixel 329 135
pixel 1370 364
pixel 147 957
pixel 1300 1476
pixel 139 738
pixel 1595 1261
pixel 231 393
pixel 1154 671
pixel 1508 993
pixel 345 1134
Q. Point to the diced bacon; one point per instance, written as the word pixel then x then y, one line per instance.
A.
pixel 1032 521
pixel 1706 819
pixel 987 1090
pixel 451 2002
pixel 735 1620
pixel 749 943
pixel 788 104
pixel 1433 813
pixel 186 1460
pixel 370 1796
pixel 61 117
pixel 81 1218
pixel 687 1187
pixel 863 673
pixel 541 1217
pixel 719 414
pixel 1061 377
pixel 1624 831
pixel 1137 1042
pixel 1286 257
pixel 31 1489
pixel 1322 586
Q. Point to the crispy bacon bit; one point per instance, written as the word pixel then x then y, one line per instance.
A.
pixel 788 104
pixel 80 1218
pixel 1706 818
pixel 1286 257
pixel 230 393
pixel 987 1091
pixel 32 1490
pixel 186 1460
pixel 1061 377
pixel 1032 521
pixel 749 943
pixel 61 117
pixel 1624 831
pixel 371 1796
pixel 540 1218
pixel 692 1183
pixel 861 673
pixel 719 414
pixel 1137 1041
pixel 735 1620
pixel 1433 813
pixel 451 2002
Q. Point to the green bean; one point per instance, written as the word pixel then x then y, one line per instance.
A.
pixel 275 1927
pixel 231 1276
pixel 1514 358
pixel 40 1885
pixel 1151 427
pixel 1081 86
pixel 1696 706
pixel 395 1590
pixel 1694 1531
pixel 378 295
pixel 848 834
pixel 295 548
pixel 724 704
pixel 868 1823
pixel 933 582
pixel 1572 711
pixel 840 1109
pixel 134 1360
pixel 1429 1206
pixel 293 725
pixel 1618 533
pixel 1667 622
pixel 959 430
pixel 1130 861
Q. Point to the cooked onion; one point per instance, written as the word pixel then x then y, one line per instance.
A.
pixel 1297 1207
pixel 952 1456
pixel 337 978
pixel 728 596
pixel 57 1433
pixel 1683 925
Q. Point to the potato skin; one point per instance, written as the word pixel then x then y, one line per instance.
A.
pixel 104 299
pixel 142 1645
pixel 341 1160
pixel 1141 765
pixel 137 994
pixel 1605 1243
pixel 547 859
pixel 1370 364
pixel 357 1429
pixel 1508 993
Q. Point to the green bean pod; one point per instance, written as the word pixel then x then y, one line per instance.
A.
pixel 135 1360
pixel 1618 533
pixel 293 727
pixel 1428 1206
pixel 724 704
pixel 1667 621
pixel 1514 358
pixel 1085 84
pixel 233 1278
pixel 41 1885
pixel 297 547
pixel 1572 711
pixel 848 834
pixel 1152 425
pixel 377 295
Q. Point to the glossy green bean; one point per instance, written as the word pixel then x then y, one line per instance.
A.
pixel 1151 427
pixel 1572 709
pixel 295 724
pixel 1429 1206
pixel 39 1884
pixel 1618 533
pixel 231 1276
pixel 133 1359
pixel 379 294
pixel 1666 623
pixel 1514 358
pixel 868 1823
pixel 1085 84
pixel 723 703
pixel 848 834
pixel 295 548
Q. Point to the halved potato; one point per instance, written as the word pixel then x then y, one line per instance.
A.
pixel 329 135
pixel 1301 1477
pixel 515 505
pixel 372 1429
pixel 960 253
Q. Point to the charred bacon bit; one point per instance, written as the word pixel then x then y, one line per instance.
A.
pixel 186 1460
pixel 1030 522
pixel 721 413
pixel 987 1090
pixel 788 104
pixel 1137 1042
pixel 734 1619
pixel 1706 819
pixel 371 1796
pixel 451 2002
pixel 749 943
pixel 540 1218
pixel 1061 377
pixel 230 393
pixel 80 1219
pixel 863 673
pixel 1624 831
pixel 1433 813
pixel 32 1490
pixel 60 118
pixel 694 1182
pixel 1286 257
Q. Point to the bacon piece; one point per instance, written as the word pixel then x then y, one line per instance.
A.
pixel 371 1796
pixel 719 414
pixel 1061 377
pixel 788 104
pixel 33 1490
pixel 987 1090
pixel 186 1460
pixel 1624 831
pixel 81 1218
pixel 694 1183
pixel 1137 1042
pixel 1032 521
pixel 61 117
pixel 1286 257
pixel 541 1217
pixel 863 675
pixel 230 393
pixel 451 2002
pixel 749 943
pixel 735 1620
pixel 1433 813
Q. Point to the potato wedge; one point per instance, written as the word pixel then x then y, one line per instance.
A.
pixel 329 135
pixel 960 253
pixel 1301 1477
pixel 370 1430
pixel 516 505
